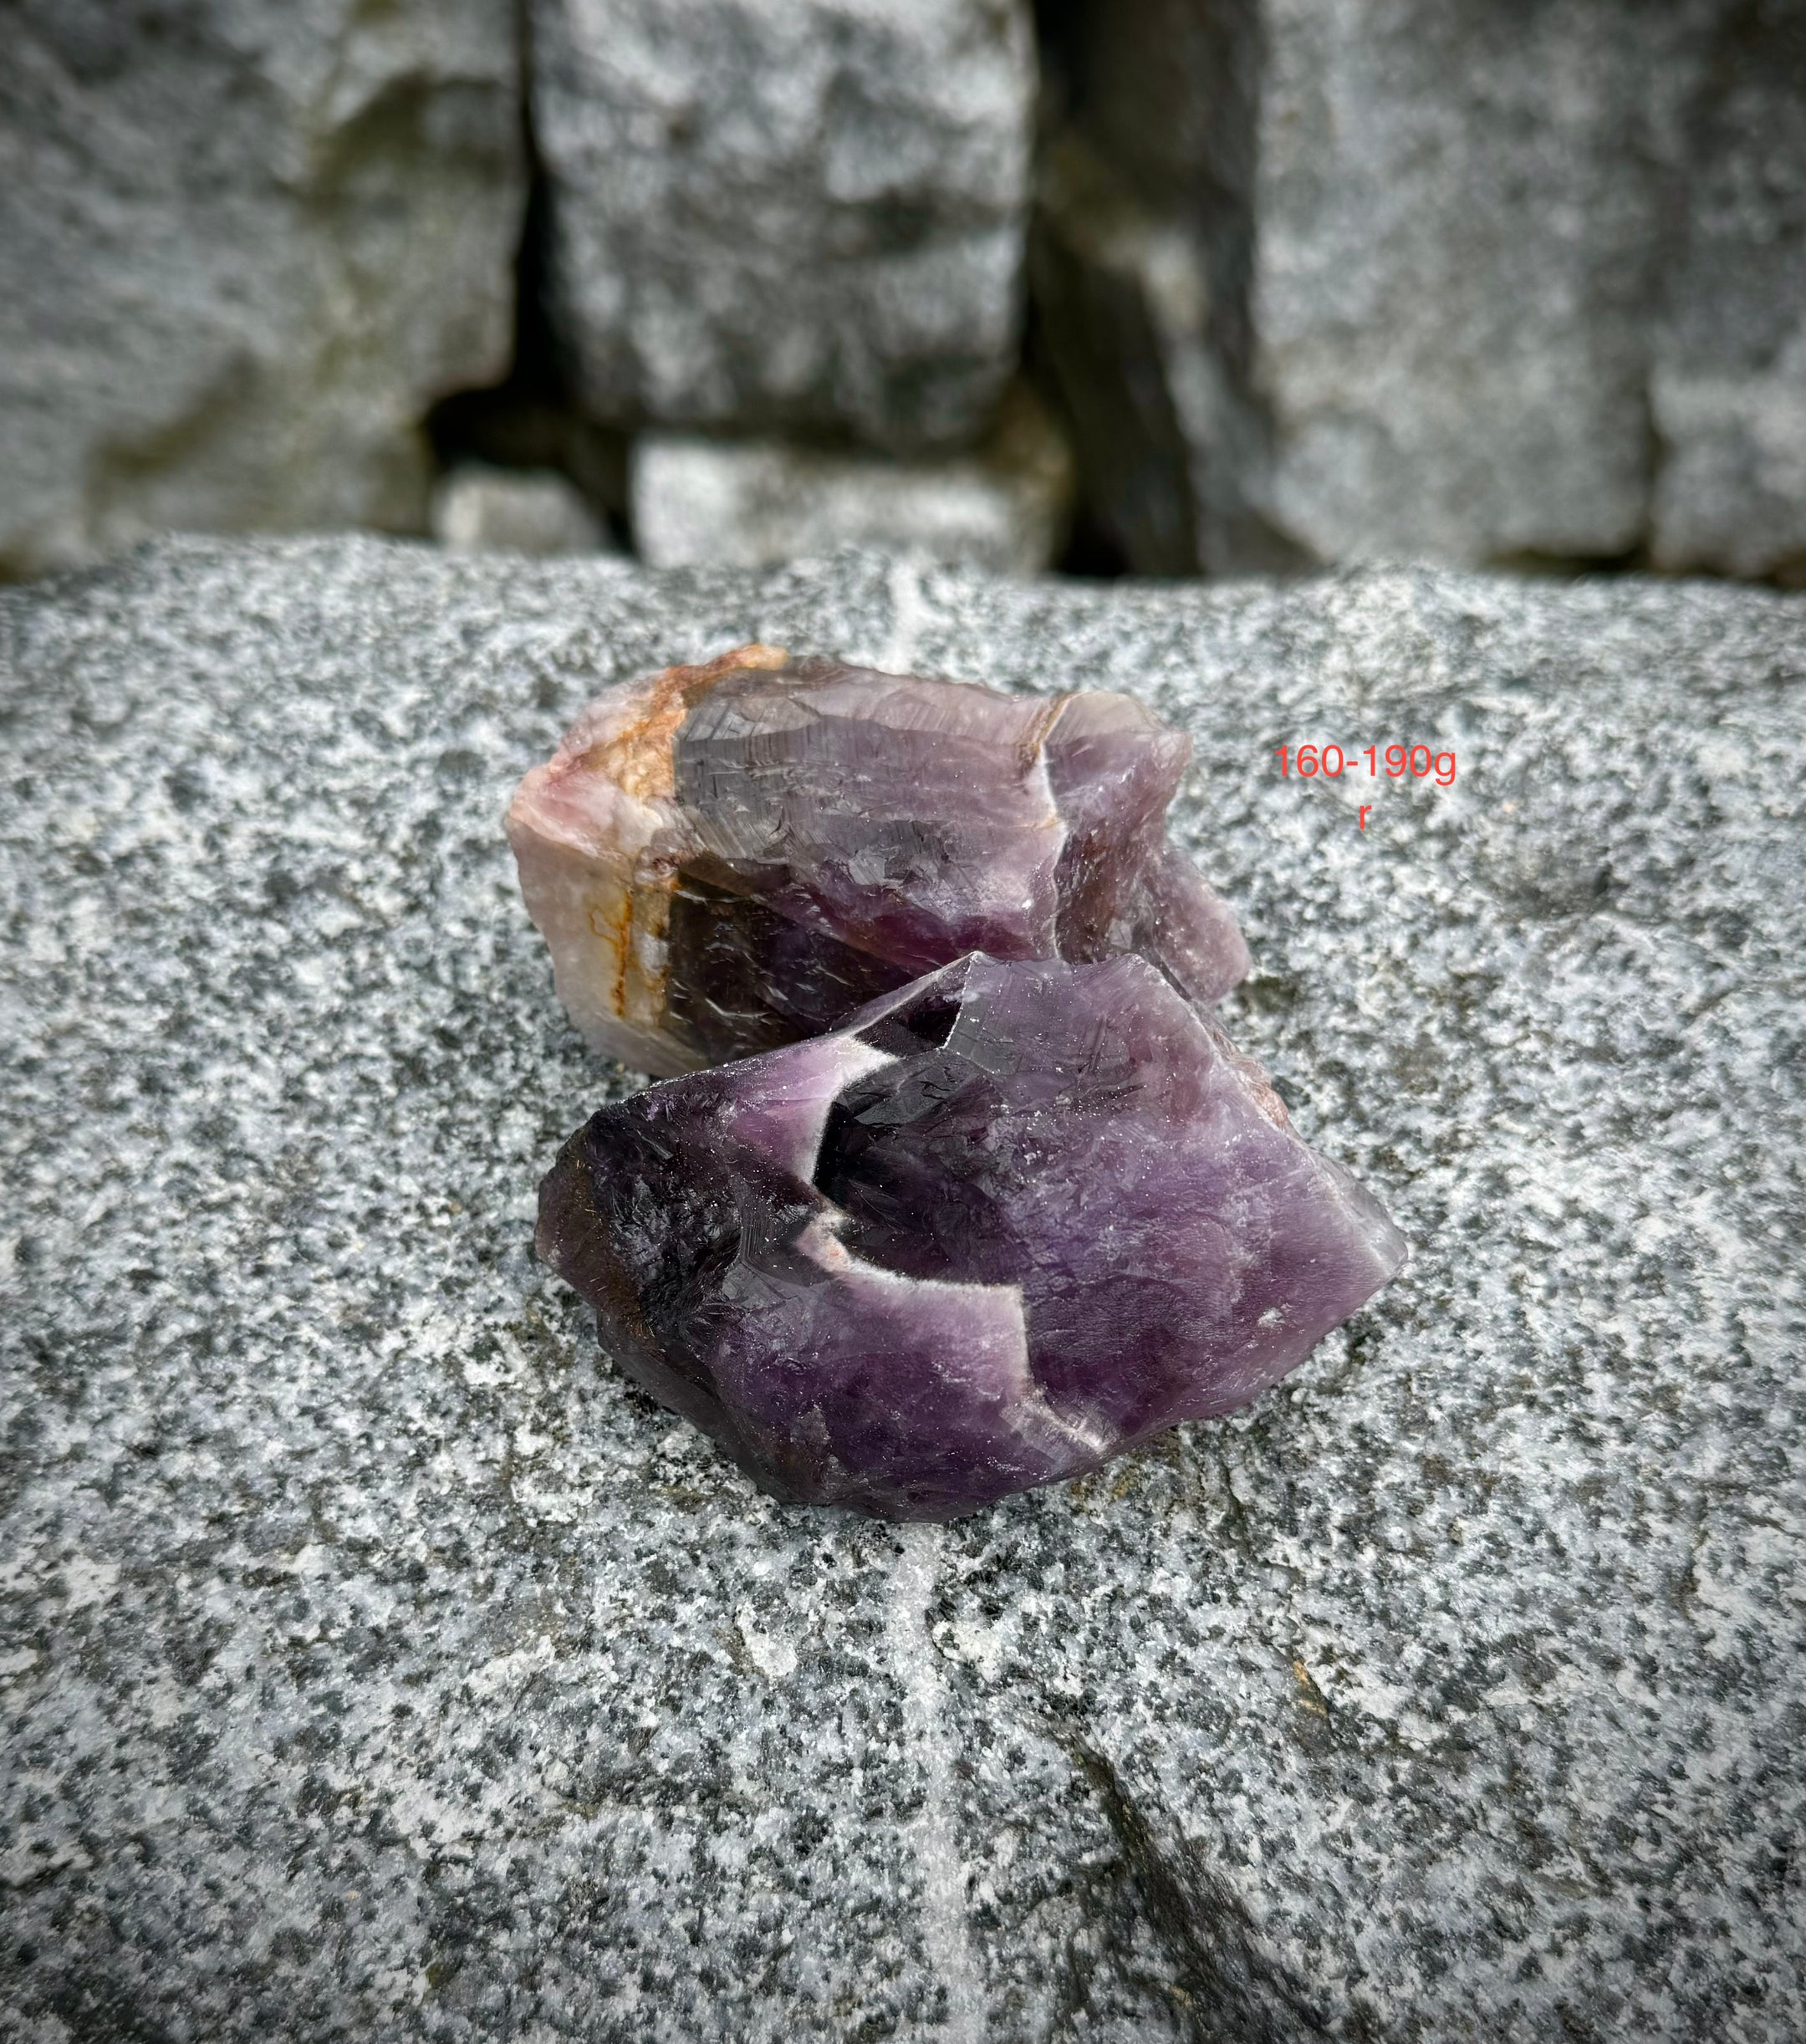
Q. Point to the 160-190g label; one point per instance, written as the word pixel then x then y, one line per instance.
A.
pixel 1394 763
pixel 1394 760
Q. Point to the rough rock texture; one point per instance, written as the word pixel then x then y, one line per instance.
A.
pixel 244 246
pixel 789 212
pixel 477 508
pixel 712 503
pixel 1382 279
pixel 729 855
pixel 377 1663
pixel 1006 1224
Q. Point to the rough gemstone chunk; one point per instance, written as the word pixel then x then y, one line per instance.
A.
pixel 725 858
pixel 1006 1224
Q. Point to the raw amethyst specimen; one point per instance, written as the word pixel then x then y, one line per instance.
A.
pixel 727 857
pixel 1005 1224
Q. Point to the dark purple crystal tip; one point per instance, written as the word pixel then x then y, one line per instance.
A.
pixel 1006 1223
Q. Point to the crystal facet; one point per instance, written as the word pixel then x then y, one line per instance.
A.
pixel 725 858
pixel 1006 1223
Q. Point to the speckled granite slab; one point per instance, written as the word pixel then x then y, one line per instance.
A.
pixel 378 1665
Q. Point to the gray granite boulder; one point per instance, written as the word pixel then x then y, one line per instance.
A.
pixel 244 245
pixel 477 508
pixel 378 1664
pixel 1727 393
pixel 773 214
pixel 1474 283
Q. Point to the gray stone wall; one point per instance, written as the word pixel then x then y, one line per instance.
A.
pixel 243 247
pixel 1303 281
pixel 789 213
pixel 1338 279
pixel 1727 393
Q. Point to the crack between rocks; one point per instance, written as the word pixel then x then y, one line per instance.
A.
pixel 911 612
pixel 1232 1990
pixel 933 1837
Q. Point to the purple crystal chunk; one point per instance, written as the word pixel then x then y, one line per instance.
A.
pixel 1006 1223
pixel 725 858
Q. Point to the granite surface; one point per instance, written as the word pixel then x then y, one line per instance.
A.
pixel 377 1664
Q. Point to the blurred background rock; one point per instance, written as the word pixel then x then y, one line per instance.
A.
pixel 1177 287
pixel 244 246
